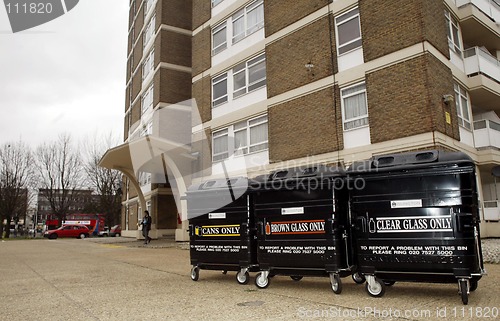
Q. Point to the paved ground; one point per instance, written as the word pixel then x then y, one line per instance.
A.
pixel 120 279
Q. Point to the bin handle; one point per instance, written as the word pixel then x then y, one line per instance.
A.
pixel 361 224
pixel 260 229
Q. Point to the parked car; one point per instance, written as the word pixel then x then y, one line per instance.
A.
pixel 71 230
pixel 116 230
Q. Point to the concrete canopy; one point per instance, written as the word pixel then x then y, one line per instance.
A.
pixel 153 155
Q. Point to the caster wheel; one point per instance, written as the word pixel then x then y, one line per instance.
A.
pixel 335 283
pixel 389 283
pixel 262 281
pixel 243 278
pixel 358 278
pixel 296 278
pixel 377 289
pixel 195 273
pixel 462 285
pixel 472 285
pixel 224 272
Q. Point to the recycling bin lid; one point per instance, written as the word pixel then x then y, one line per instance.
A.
pixel 409 160
pixel 302 173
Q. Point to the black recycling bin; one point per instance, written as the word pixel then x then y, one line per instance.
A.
pixel 416 219
pixel 221 228
pixel 302 224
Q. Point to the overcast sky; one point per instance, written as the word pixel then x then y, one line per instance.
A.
pixel 65 76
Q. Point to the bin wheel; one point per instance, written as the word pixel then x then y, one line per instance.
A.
pixel 195 273
pixel 296 278
pixel 376 289
pixel 472 285
pixel 462 284
pixel 261 280
pixel 335 283
pixel 224 272
pixel 358 278
pixel 243 278
pixel 389 283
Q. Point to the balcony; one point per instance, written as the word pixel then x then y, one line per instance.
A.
pixel 483 71
pixel 491 211
pixel 479 22
pixel 486 134
pixel 489 7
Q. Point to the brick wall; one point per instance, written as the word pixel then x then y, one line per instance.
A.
pixel 174 48
pixel 125 127
pixel 305 126
pixel 406 99
pixel 130 39
pixel 202 52
pixel 136 83
pixel 139 23
pixel 202 11
pixel 278 13
pixel 136 112
pixel 177 13
pixel 287 57
pixel 435 25
pixel 131 14
pixel 171 86
pixel 391 25
pixel 202 94
pixel 137 54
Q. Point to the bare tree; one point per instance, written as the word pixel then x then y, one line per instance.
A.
pixel 106 182
pixel 16 175
pixel 60 177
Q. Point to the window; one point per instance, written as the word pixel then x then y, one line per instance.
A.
pixel 219 41
pixel 149 32
pixel 148 64
pixel 258 134
pixel 219 90
pixel 242 24
pixel 144 178
pixel 244 78
pixel 354 106
pixel 453 33
pixel 220 145
pixel 147 6
pixel 245 137
pixel 147 130
pixel 462 102
pixel 348 30
pixel 147 99
pixel 249 76
pixel 248 20
pixel 216 2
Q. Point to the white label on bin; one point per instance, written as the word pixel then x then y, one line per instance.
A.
pixel 406 203
pixel 216 215
pixel 411 224
pixel 292 210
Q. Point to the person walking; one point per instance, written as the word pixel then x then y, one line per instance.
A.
pixel 146 227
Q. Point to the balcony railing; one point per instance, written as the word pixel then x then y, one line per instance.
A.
pixel 491 211
pixel 486 134
pixel 480 61
pixel 491 8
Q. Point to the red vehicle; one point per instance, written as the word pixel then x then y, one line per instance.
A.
pixel 95 222
pixel 114 231
pixel 70 230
